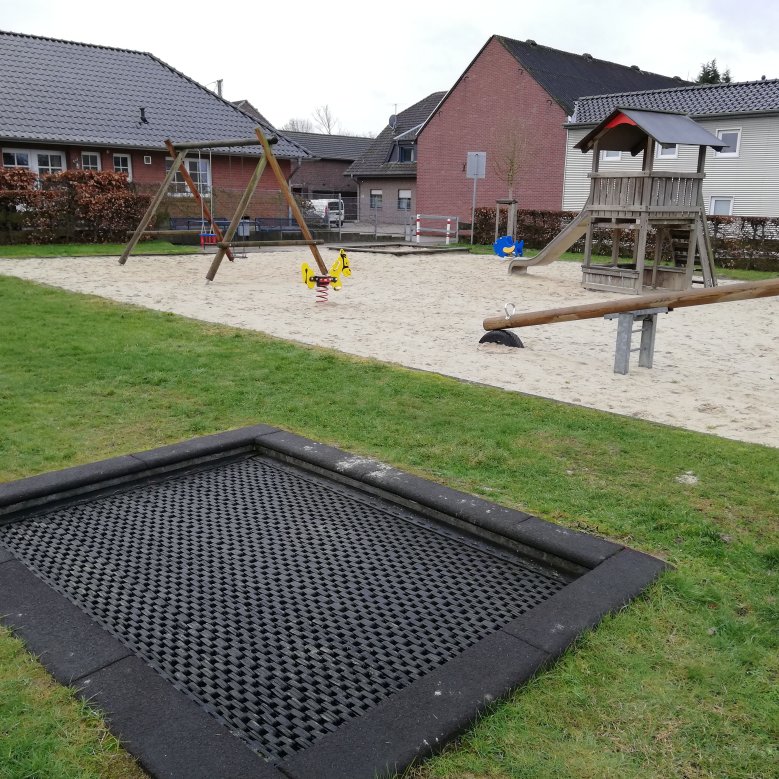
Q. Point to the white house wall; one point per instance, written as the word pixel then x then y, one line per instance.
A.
pixel 751 179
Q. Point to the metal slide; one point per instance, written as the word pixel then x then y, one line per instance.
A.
pixel 555 247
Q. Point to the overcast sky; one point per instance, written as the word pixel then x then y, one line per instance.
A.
pixel 363 59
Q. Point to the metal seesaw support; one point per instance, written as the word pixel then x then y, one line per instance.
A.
pixel 646 351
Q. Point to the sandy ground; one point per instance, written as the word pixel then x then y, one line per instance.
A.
pixel 716 367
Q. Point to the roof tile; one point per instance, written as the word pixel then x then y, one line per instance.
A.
pixel 374 161
pixel 699 100
pixel 65 92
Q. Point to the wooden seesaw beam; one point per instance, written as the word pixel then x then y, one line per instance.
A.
pixel 670 300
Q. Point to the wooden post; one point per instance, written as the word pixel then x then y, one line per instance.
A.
pixel 698 297
pixel 291 201
pixel 615 238
pixel 591 226
pixel 196 194
pixel 153 206
pixel 237 216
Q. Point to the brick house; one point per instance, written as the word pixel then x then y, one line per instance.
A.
pixel 386 173
pixel 322 175
pixel 512 102
pixel 67 105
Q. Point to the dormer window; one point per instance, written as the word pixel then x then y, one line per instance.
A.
pixel 406 153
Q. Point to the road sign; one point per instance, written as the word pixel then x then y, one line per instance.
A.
pixel 476 165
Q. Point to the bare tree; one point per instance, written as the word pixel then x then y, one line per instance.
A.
pixel 366 134
pixel 510 156
pixel 325 120
pixel 299 126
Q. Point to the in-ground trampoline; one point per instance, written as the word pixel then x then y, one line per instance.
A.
pixel 255 604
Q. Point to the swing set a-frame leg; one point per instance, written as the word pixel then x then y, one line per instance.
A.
pixel 291 202
pixel 198 198
pixel 153 206
pixel 239 212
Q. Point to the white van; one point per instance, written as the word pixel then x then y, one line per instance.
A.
pixel 331 211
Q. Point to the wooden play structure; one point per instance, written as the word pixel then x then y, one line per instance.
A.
pixel 670 203
pixel 224 242
pixel 644 309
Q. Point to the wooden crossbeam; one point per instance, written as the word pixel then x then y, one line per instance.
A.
pixel 670 300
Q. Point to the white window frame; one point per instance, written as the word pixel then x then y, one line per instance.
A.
pixel 604 155
pixel 92 154
pixel 405 198
pixel 671 154
pixel 129 163
pixel 32 156
pixel 728 198
pixel 379 193
pixel 179 187
pixel 736 153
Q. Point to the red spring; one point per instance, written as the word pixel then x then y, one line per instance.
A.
pixel 322 291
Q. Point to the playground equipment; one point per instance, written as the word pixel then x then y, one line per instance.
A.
pixel 225 242
pixel 506 247
pixel 644 308
pixel 668 202
pixel 324 283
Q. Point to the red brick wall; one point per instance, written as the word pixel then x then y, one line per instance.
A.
pixel 495 102
pixel 323 176
pixel 229 176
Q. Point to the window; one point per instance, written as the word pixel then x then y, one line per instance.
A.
pixel 667 151
pixel 40 162
pixel 406 153
pixel 732 139
pixel 90 160
pixel 721 206
pixel 16 159
pixel 200 172
pixel 404 200
pixel 122 164
pixel 49 163
pixel 375 198
pixel 609 154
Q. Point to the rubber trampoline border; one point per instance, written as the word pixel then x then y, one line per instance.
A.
pixel 172 736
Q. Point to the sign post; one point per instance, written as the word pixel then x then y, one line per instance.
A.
pixel 475 168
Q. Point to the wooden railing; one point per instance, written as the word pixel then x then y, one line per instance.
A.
pixel 656 191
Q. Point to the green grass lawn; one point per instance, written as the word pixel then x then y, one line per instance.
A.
pixel 89 249
pixel 683 683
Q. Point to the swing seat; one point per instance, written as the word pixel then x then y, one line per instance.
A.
pixel 207 239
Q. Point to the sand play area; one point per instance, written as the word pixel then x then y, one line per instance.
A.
pixel 716 367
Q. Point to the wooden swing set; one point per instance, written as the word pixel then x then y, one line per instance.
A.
pixel 224 242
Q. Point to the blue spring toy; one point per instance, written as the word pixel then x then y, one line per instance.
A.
pixel 506 247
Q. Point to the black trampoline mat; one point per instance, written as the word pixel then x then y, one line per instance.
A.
pixel 282 591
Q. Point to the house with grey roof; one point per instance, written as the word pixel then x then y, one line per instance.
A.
pixel 322 174
pixel 512 102
pixel 66 105
pixel 385 174
pixel 741 180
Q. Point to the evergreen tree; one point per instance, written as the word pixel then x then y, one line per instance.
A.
pixel 710 74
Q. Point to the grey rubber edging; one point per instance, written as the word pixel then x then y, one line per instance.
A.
pixel 527 530
pixel 35 493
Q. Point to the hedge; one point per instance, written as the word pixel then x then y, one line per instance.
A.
pixel 750 242
pixel 75 205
